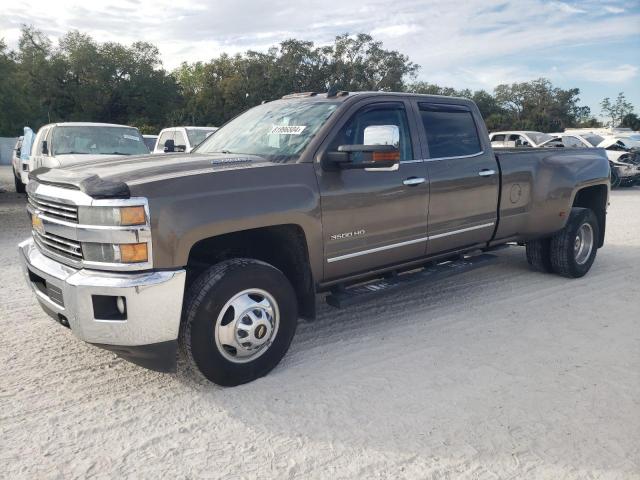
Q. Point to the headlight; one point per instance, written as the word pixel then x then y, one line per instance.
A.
pixel 115 253
pixel 112 216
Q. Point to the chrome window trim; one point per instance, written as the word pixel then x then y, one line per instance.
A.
pixel 408 242
pixel 435 159
pixel 84 233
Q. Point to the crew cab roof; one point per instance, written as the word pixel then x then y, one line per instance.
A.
pixel 346 96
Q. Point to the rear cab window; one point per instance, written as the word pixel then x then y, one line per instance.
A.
pixel 451 130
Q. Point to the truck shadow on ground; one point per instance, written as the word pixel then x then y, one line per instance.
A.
pixel 435 367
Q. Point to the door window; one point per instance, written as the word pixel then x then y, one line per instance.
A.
pixel 163 138
pixel 42 136
pixel 451 131
pixel 355 131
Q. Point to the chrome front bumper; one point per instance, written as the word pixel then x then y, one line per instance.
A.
pixel 153 300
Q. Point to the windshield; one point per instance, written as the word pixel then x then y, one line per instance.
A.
pixel 97 140
pixel 197 135
pixel 278 131
pixel 538 137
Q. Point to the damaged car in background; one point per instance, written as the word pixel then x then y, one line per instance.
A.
pixel 622 152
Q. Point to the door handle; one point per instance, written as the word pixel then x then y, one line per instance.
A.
pixel 411 181
pixel 486 172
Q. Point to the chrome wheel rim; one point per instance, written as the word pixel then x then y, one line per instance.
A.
pixel 583 244
pixel 247 325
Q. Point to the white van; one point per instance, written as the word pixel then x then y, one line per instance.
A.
pixel 61 144
pixel 181 139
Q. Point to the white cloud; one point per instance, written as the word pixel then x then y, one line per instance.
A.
pixel 605 74
pixel 393 31
pixel 473 43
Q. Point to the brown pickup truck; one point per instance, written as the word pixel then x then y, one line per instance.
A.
pixel 221 250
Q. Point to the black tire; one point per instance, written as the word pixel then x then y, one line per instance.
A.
pixel 539 255
pixel 20 187
pixel 203 304
pixel 563 254
pixel 615 179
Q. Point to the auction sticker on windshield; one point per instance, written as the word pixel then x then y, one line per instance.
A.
pixel 131 137
pixel 287 129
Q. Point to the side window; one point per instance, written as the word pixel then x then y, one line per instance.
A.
pixel 163 138
pixel 181 142
pixel 353 132
pixel 451 131
pixel 498 138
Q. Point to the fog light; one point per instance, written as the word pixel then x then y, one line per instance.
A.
pixel 121 305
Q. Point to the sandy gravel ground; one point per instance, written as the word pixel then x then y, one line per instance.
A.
pixel 498 373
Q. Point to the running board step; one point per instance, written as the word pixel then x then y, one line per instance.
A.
pixel 344 297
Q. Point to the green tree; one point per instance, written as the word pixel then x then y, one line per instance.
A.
pixel 632 121
pixel 617 110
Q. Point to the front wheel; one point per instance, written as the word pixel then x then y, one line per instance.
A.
pixel 573 249
pixel 238 321
pixel 20 187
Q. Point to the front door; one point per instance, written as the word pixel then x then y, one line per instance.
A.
pixel 375 217
pixel 464 177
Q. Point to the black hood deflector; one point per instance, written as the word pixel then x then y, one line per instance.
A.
pixel 88 183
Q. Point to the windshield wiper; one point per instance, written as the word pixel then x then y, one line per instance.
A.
pixel 72 153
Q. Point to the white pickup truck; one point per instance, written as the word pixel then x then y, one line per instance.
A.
pixel 63 144
pixel 518 138
pixel 181 139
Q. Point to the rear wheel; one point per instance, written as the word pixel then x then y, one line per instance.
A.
pixel 20 187
pixel 238 322
pixel 573 250
pixel 539 255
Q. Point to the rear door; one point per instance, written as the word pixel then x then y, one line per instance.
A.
pixel 463 174
pixel 375 217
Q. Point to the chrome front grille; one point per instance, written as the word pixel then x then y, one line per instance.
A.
pixel 49 242
pixel 50 208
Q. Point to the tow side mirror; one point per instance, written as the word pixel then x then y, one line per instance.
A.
pixel 379 149
pixel 370 156
pixel 45 148
pixel 169 146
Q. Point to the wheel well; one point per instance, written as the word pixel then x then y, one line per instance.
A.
pixel 594 198
pixel 283 246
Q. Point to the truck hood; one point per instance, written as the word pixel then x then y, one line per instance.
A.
pixel 111 178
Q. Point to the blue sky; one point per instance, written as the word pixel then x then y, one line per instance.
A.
pixel 592 45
